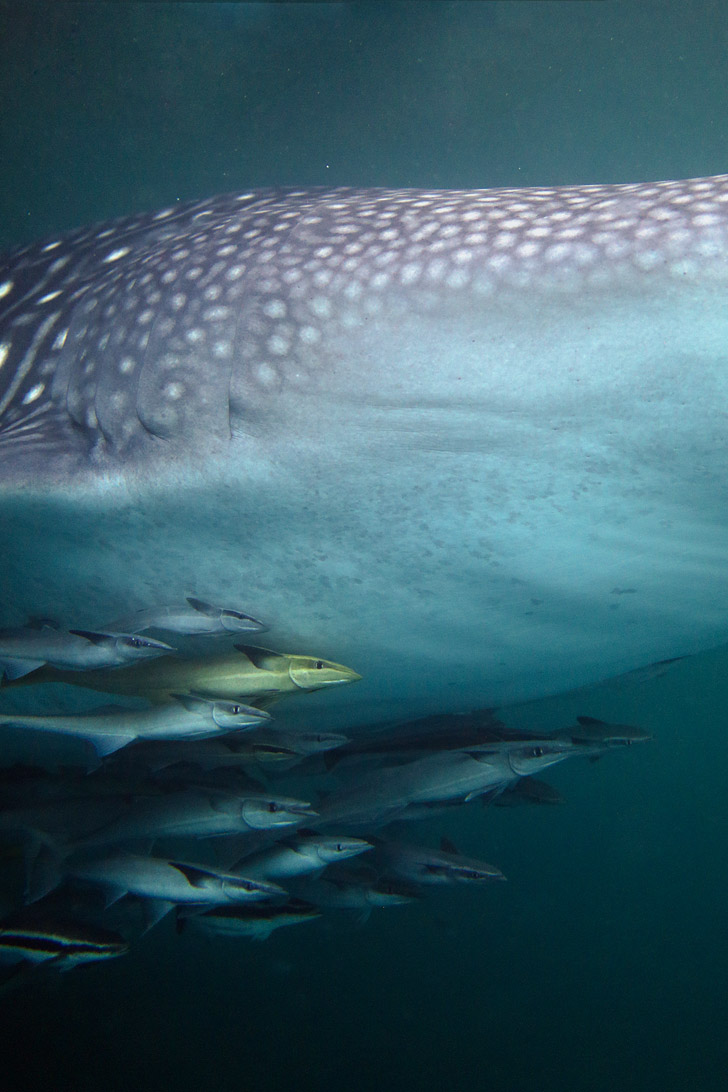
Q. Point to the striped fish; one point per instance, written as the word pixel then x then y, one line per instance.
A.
pixel 26 937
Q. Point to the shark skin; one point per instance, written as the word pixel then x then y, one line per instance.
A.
pixel 470 443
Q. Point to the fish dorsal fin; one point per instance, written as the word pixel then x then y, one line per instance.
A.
pixel 91 635
pixel 590 720
pixel 200 606
pixel 195 876
pixel 257 656
pixel 447 846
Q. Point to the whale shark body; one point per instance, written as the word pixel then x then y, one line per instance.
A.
pixel 471 443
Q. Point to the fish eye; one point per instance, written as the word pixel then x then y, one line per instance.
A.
pixel 136 642
pixel 319 664
pixel 537 752
pixel 235 709
pixel 272 806
pixel 339 847
pixel 470 874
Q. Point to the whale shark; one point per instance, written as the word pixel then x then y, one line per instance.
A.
pixel 471 443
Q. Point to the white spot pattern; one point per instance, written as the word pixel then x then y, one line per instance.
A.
pixel 166 319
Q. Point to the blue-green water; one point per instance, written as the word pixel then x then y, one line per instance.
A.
pixel 602 962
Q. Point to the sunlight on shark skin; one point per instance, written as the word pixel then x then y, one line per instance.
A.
pixel 471 443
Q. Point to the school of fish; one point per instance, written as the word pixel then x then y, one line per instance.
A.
pixel 187 798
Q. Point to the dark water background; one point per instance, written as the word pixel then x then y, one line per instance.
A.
pixel 602 963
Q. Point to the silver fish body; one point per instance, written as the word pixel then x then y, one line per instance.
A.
pixel 193 618
pixel 22 650
pixel 423 865
pixel 449 777
pixel 171 881
pixel 199 814
pixel 300 855
pixel 185 718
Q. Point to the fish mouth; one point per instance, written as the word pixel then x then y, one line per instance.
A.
pixel 474 874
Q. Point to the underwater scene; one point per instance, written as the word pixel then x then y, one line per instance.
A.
pixel 363 584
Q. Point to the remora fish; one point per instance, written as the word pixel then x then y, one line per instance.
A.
pixel 257 921
pixel 208 754
pixel 24 650
pixel 422 865
pixel 304 853
pixel 455 731
pixel 184 717
pixel 591 730
pixel 246 672
pixel 108 819
pixel 35 938
pixel 199 814
pixel 528 790
pixel 170 881
pixel 451 776
pixel 191 618
pixel 451 430
pixel 355 890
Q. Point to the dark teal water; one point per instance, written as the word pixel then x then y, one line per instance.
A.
pixel 602 963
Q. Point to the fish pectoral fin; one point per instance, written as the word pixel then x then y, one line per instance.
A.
pixel 259 656
pixel 201 606
pixel 154 910
pixel 485 757
pixel 114 894
pixel 195 877
pixel 591 720
pixel 448 846
pixel 15 669
pixel 105 743
pixel 91 635
pixel 265 698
